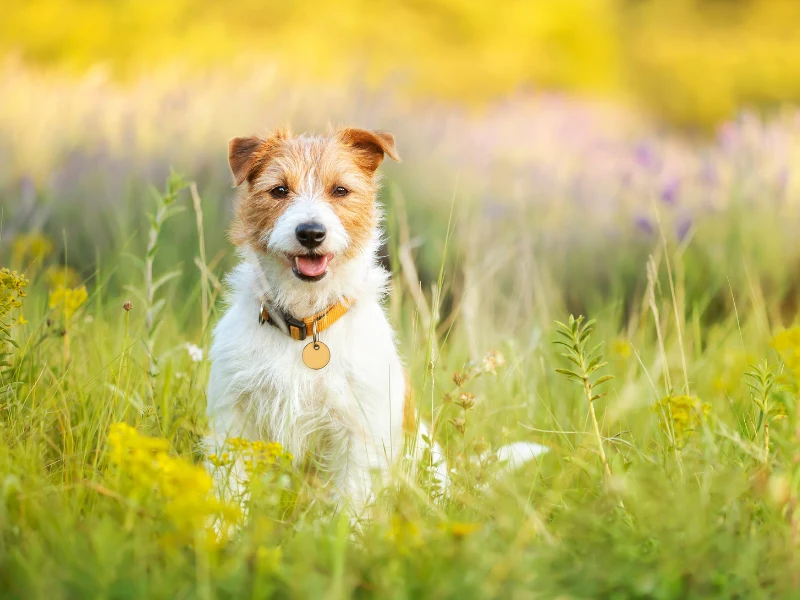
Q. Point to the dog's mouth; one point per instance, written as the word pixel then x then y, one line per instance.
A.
pixel 311 267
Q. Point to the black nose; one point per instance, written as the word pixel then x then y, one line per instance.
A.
pixel 310 235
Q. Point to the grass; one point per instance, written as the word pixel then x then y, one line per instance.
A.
pixel 681 482
pixel 691 503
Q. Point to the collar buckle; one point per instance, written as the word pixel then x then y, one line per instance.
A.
pixel 297 328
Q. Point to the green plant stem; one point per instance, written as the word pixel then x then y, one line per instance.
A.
pixel 587 389
pixel 149 315
pixel 198 211
pixel 124 350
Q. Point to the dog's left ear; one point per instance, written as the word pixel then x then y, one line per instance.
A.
pixel 242 157
pixel 370 146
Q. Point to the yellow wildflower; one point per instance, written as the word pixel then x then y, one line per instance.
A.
pixel 461 530
pixel 68 300
pixel 184 489
pixel 61 276
pixel 12 290
pixel 404 533
pixel 257 456
pixel 681 416
pixel 787 345
pixel 30 248
pixel 621 348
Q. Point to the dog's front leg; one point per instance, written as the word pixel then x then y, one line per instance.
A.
pixel 231 481
pixel 363 469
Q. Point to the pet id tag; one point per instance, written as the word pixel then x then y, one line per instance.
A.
pixel 316 355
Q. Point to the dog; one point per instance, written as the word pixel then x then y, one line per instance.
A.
pixel 304 354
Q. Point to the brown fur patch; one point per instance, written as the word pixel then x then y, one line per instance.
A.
pixel 308 166
pixel 369 146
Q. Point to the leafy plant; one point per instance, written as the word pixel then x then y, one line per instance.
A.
pixel 575 336
pixel 763 383
pixel 166 206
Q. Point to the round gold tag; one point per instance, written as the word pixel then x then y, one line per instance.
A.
pixel 316 355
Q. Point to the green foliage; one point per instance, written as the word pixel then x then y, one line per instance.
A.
pixel 576 335
pixel 166 207
pixel 763 383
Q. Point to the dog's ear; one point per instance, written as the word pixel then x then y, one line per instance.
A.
pixel 243 157
pixel 370 146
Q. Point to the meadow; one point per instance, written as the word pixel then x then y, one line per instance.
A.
pixel 677 478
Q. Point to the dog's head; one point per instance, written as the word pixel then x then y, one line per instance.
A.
pixel 309 203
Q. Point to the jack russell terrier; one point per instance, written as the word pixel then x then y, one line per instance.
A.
pixel 305 355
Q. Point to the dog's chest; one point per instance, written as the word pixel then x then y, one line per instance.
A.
pixel 282 399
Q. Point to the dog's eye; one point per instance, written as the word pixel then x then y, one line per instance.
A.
pixel 339 191
pixel 280 191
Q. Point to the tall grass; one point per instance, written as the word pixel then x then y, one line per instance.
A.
pixel 689 497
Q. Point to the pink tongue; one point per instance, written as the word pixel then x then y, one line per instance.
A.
pixel 311 266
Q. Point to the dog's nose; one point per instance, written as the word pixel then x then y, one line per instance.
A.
pixel 310 235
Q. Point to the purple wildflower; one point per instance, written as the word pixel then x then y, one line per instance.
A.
pixel 644 224
pixel 646 156
pixel 683 226
pixel 670 191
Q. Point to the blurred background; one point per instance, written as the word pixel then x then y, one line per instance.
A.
pixel 567 138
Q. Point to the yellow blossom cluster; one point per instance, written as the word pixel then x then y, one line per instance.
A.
pixel 459 529
pixel 30 248
pixel 183 490
pixel 256 456
pixel 681 415
pixel 787 345
pixel 405 534
pixel 67 300
pixel 12 290
pixel 61 276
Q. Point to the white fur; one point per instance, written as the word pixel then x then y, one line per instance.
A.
pixel 350 413
pixel 517 454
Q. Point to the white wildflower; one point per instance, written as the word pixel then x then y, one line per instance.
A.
pixel 195 352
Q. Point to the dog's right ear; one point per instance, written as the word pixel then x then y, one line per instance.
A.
pixel 243 157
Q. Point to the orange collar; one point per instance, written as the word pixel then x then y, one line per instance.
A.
pixel 300 329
